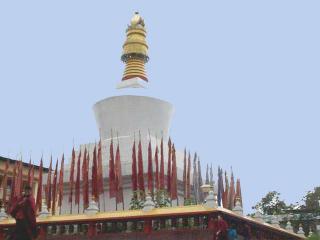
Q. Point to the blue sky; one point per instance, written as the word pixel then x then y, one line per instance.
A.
pixel 243 77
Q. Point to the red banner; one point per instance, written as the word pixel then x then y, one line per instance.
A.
pixel 111 172
pixel 118 177
pixel 174 194
pixel 54 189
pixel 150 169
pixel 77 187
pixel 169 167
pixel 39 194
pixel 161 166
pixel 140 168
pixel 61 182
pixel 156 160
pixel 134 177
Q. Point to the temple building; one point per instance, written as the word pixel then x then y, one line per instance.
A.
pixel 7 173
pixel 126 118
pixel 127 123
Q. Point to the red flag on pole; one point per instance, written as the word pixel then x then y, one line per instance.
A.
pixel 169 167
pixel 150 169
pixel 231 193
pixel 54 189
pixel 48 192
pixel 140 168
pixel 85 180
pixel 100 169
pixel 94 176
pixel 111 172
pixel 18 182
pixel 39 192
pixel 174 193
pixel 118 177
pixel 161 166
pixel 157 168
pixel 29 172
pixel 61 183
pixel 4 183
pixel 225 196
pixel 188 177
pixel 31 179
pixel 185 174
pixel 77 187
pixel 134 177
pixel 238 193
pixel 71 177
pixel 13 185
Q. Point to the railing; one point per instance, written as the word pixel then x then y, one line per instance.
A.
pixel 130 229
pixel 183 223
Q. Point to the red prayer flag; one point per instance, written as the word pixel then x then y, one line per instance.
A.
pixel 169 167
pixel 85 180
pixel 71 178
pixel 54 189
pixel 39 192
pixel 185 174
pixel 94 176
pixel 100 169
pixel 140 168
pixel 174 193
pixel 48 192
pixel 238 192
pixel 188 177
pixel 18 182
pixel 225 195
pixel 111 172
pixel 61 182
pixel 161 166
pixel 29 172
pixel 118 177
pixel 4 183
pixel 77 187
pixel 134 177
pixel 231 193
pixel 157 168
pixel 150 169
pixel 13 184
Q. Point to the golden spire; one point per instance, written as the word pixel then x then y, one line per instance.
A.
pixel 135 50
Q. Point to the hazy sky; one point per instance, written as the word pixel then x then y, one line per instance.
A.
pixel 243 77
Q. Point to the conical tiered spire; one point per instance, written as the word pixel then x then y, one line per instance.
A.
pixel 135 54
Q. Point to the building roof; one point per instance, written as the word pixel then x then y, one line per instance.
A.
pixel 25 164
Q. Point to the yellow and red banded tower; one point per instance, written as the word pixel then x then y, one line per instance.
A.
pixel 135 54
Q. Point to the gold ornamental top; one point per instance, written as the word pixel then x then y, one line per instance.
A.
pixel 135 49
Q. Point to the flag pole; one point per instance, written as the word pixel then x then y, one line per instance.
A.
pixel 104 200
pixel 113 169
pixel 120 173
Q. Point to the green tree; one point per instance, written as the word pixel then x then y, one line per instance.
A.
pixel 311 200
pixel 137 200
pixel 271 204
pixel 314 237
pixel 161 199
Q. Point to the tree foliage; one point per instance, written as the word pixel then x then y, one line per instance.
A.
pixel 161 199
pixel 271 204
pixel 137 200
pixel 311 199
pixel 314 237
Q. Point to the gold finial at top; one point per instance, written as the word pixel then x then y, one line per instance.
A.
pixel 135 49
pixel 137 20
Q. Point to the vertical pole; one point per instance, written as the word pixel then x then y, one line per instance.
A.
pixel 92 231
pixel 147 226
pixel 2 236
pixel 43 232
